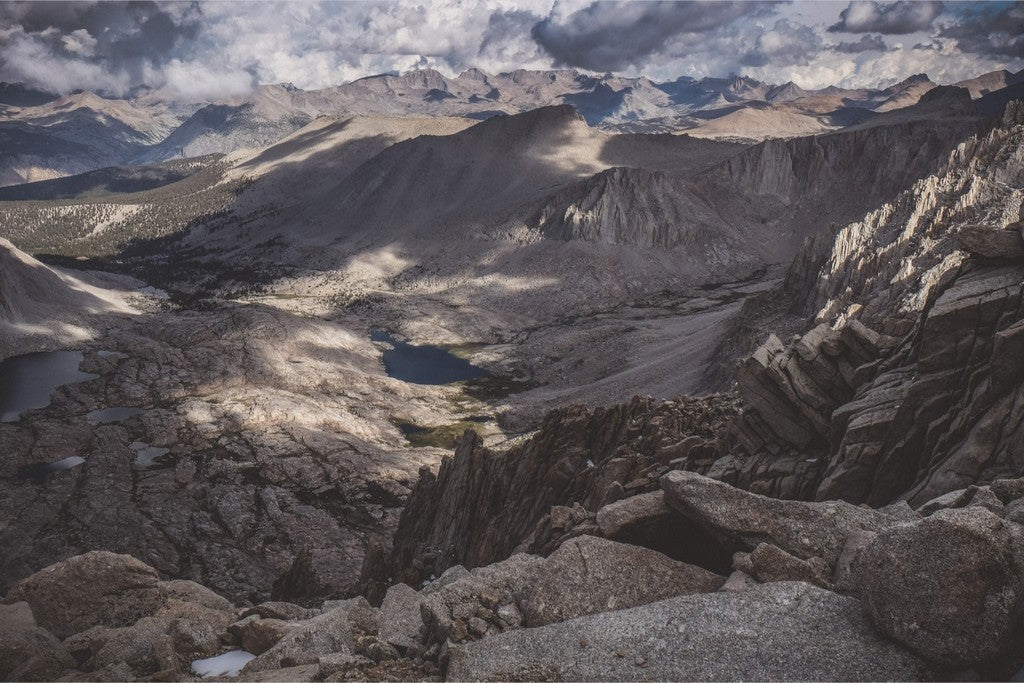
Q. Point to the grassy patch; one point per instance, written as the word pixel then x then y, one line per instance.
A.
pixel 495 387
pixel 441 436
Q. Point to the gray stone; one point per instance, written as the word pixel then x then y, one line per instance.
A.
pixel 28 652
pixel 590 574
pixel 738 581
pixel 1015 512
pixel 628 512
pixel 285 611
pixel 778 631
pixel 951 586
pixel 321 635
pixel 802 529
pixel 97 588
pixel 400 621
pixel 259 635
pixel 768 563
pixel 991 242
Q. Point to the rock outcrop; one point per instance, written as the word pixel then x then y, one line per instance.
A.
pixel 820 591
pixel 783 631
pixel 483 505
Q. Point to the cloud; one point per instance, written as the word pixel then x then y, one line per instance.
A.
pixel 610 35
pixel 992 30
pixel 785 43
pixel 902 17
pixel 198 51
pixel 866 43
pixel 111 46
pixel 80 42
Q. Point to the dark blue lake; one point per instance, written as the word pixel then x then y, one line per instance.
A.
pixel 424 364
pixel 27 381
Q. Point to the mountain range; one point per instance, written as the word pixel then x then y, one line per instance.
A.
pixel 45 136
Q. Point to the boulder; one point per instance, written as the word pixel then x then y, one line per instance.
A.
pixel 768 563
pixel 259 635
pixel 482 593
pixel 950 587
pixel 330 632
pixel 178 632
pixel 614 518
pixel 400 621
pixel 97 588
pixel 285 611
pixel 778 631
pixel 804 530
pixel 28 652
pixel 991 242
pixel 590 574
pixel 1008 490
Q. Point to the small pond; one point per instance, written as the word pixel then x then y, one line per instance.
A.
pixel 28 381
pixel 425 364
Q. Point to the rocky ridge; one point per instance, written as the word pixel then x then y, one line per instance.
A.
pixel 857 584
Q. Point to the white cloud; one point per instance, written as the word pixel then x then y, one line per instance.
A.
pixel 80 42
pixel 222 49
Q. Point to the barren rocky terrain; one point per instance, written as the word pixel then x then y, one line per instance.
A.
pixel 740 409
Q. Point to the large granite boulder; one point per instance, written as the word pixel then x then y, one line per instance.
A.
pixel 589 574
pixel 745 520
pixel 400 622
pixel 951 587
pixel 97 588
pixel 778 631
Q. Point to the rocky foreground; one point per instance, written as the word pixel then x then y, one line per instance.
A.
pixel 817 591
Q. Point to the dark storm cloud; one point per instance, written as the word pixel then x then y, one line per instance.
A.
pixel 866 43
pixel 609 36
pixel 991 30
pixel 120 37
pixel 785 43
pixel 501 26
pixel 905 16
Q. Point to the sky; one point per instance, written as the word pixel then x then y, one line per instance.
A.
pixel 201 51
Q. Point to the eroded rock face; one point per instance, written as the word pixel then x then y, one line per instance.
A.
pixel 779 444
pixel 811 634
pixel 941 413
pixel 951 586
